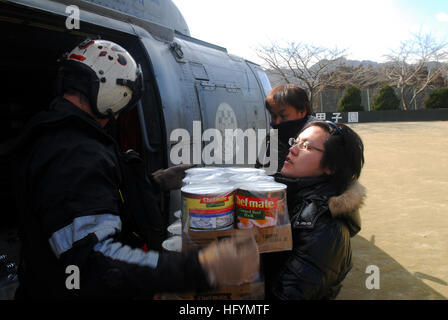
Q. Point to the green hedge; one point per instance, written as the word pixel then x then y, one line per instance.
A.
pixel 437 99
pixel 351 101
pixel 386 100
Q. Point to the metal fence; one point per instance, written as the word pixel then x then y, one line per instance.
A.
pixel 327 100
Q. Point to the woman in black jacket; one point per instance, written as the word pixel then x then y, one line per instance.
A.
pixel 324 195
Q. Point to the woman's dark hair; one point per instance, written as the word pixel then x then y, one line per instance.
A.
pixel 343 155
pixel 289 94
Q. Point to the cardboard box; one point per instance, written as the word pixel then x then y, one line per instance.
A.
pixel 270 239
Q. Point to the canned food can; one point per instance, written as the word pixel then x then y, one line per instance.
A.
pixel 259 205
pixel 245 170
pixel 175 229
pixel 177 214
pixel 207 207
pixel 173 244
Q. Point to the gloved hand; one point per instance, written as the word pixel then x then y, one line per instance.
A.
pixel 171 178
pixel 231 260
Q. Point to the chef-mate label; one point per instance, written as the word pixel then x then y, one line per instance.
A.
pixel 259 205
pixel 253 207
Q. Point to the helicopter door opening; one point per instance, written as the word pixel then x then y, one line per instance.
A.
pixel 33 42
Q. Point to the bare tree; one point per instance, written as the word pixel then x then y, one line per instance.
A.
pixel 302 64
pixel 362 76
pixel 416 65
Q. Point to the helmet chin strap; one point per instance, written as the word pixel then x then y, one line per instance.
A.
pixel 113 127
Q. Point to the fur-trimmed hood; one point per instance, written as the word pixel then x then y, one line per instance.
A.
pixel 351 200
pixel 347 205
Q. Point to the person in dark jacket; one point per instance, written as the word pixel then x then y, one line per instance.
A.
pixel 324 196
pixel 69 190
pixel 290 110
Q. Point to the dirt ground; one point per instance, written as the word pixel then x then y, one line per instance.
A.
pixel 405 218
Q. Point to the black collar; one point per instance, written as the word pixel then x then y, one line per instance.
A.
pixel 303 188
pixel 64 106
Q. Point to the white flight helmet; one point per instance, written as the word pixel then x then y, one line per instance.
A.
pixel 105 72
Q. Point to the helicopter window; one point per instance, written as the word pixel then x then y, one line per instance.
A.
pixel 199 71
pixel 264 81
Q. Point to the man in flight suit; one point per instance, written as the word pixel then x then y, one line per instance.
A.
pixel 68 190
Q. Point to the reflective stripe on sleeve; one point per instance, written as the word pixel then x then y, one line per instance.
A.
pixel 118 251
pixel 103 226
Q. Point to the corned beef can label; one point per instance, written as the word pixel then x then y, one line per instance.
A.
pixel 207 207
pixel 259 205
pixel 252 207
